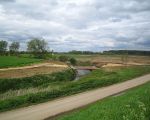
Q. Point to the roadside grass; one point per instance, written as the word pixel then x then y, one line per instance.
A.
pixel 37 89
pixel 13 61
pixel 132 105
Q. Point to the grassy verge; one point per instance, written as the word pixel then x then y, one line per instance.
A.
pixel 13 61
pixel 23 95
pixel 35 81
pixel 133 105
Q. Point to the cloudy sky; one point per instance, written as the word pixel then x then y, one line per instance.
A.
pixel 77 24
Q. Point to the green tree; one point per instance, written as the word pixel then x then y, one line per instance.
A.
pixel 14 47
pixel 3 47
pixel 38 47
pixel 73 61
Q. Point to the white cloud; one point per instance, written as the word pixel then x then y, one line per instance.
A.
pixel 77 24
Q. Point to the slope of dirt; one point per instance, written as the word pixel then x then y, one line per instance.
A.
pixel 26 71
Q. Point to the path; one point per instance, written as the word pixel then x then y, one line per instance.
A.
pixel 52 108
pixel 34 66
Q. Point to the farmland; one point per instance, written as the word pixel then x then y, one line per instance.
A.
pixel 108 58
pixel 28 71
pixel 13 61
pixel 18 92
pixel 132 105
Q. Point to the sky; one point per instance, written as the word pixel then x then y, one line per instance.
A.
pixel 87 25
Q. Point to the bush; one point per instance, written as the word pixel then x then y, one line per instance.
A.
pixel 73 61
pixel 63 58
pixel 35 81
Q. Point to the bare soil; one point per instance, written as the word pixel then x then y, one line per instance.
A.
pixel 27 71
pixel 100 60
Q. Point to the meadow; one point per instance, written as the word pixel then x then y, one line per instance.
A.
pixel 20 92
pixel 131 105
pixel 98 58
pixel 14 61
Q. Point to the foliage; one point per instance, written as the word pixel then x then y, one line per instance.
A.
pixel 98 78
pixel 133 105
pixel 35 81
pixel 73 61
pixel 38 47
pixel 82 52
pixel 63 58
pixel 14 47
pixel 3 47
pixel 130 52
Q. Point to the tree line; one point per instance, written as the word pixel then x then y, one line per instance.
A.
pixel 37 47
pixel 82 52
pixel 129 52
pixel 13 47
pixel 113 52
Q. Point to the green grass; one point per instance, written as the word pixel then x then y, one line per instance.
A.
pixel 13 61
pixel 37 89
pixel 35 81
pixel 133 105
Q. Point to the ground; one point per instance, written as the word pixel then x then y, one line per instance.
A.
pixel 101 60
pixel 27 91
pixel 131 105
pixel 18 67
pixel 35 69
pixel 29 81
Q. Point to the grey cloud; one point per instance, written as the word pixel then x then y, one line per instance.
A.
pixel 83 25
pixel 5 1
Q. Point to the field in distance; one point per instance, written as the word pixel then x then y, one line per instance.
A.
pixel 13 61
pixel 19 67
pixel 102 59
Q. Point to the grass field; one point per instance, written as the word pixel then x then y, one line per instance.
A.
pixel 133 105
pixel 109 58
pixel 27 91
pixel 13 61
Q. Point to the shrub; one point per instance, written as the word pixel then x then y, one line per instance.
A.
pixel 63 58
pixel 35 81
pixel 73 61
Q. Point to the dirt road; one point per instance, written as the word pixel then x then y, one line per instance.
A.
pixel 52 108
pixel 34 66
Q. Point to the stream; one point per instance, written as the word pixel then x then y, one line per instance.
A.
pixel 81 73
